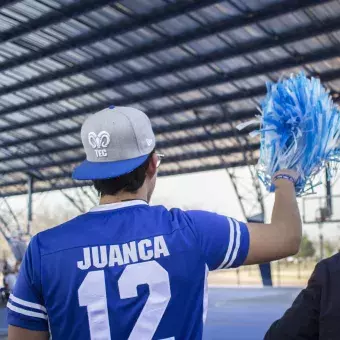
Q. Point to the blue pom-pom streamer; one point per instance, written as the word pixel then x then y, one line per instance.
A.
pixel 300 130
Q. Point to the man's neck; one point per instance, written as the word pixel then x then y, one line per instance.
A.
pixel 124 196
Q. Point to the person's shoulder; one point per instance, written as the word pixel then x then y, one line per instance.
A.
pixel 331 263
pixel 325 270
pixel 171 214
pixel 190 217
pixel 50 239
pixel 161 209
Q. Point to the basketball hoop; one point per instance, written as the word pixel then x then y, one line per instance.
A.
pixel 322 214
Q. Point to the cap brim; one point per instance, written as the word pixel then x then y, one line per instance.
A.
pixel 103 170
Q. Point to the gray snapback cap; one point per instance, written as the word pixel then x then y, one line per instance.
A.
pixel 117 140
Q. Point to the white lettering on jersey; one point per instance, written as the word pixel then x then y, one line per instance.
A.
pixel 130 252
pixel 145 254
pixel 103 257
pixel 118 255
pixel 86 263
pixel 115 256
pixel 160 247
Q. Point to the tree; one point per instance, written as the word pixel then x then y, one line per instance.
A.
pixel 51 216
pixel 329 248
pixel 307 248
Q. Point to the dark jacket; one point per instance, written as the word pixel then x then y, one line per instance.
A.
pixel 315 313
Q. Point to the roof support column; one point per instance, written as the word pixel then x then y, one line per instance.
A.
pixel 30 181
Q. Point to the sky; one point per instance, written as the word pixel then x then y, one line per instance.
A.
pixel 210 191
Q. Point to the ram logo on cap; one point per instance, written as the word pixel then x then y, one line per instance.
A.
pixel 116 142
pixel 99 142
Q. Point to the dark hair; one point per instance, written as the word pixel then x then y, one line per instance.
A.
pixel 130 182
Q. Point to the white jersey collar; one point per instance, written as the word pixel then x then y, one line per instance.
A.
pixel 118 205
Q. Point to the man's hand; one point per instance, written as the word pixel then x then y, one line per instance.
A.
pixel 16 333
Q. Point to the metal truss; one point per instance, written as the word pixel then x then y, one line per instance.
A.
pixel 162 146
pixel 68 174
pixel 216 79
pixel 248 191
pixel 9 223
pixel 270 11
pixel 170 109
pixel 52 18
pixel 81 197
pixel 73 184
pixel 5 3
pixel 242 114
pixel 158 130
pixel 247 186
pixel 111 31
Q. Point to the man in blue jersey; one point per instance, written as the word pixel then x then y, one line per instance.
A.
pixel 126 270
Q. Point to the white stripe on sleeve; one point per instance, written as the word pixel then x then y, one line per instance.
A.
pixel 237 246
pixel 205 295
pixel 27 303
pixel 26 312
pixel 231 243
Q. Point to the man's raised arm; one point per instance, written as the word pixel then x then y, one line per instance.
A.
pixel 282 237
pixel 17 333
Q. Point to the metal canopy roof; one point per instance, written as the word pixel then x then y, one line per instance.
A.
pixel 197 67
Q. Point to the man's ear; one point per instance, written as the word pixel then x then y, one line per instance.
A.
pixel 152 168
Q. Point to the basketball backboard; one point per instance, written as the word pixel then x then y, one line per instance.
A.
pixel 318 209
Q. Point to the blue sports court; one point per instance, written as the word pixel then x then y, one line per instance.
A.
pixel 236 313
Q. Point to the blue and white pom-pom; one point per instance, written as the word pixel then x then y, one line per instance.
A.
pixel 300 129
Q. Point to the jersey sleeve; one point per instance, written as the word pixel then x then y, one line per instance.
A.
pixel 224 241
pixel 26 306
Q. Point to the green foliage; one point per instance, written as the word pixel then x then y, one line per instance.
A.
pixel 329 248
pixel 307 248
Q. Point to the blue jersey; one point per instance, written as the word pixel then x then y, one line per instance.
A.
pixel 125 271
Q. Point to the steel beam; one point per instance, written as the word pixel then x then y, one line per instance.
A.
pixel 188 156
pixel 168 144
pixel 74 184
pixel 195 104
pixel 272 10
pixel 111 31
pixel 6 216
pixel 243 114
pixel 248 190
pixel 5 3
pixel 170 109
pixel 93 200
pixel 246 114
pixel 4 225
pixel 55 16
pixel 238 74
pixel 48 178
pixel 29 203
pixel 11 212
pixel 73 201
